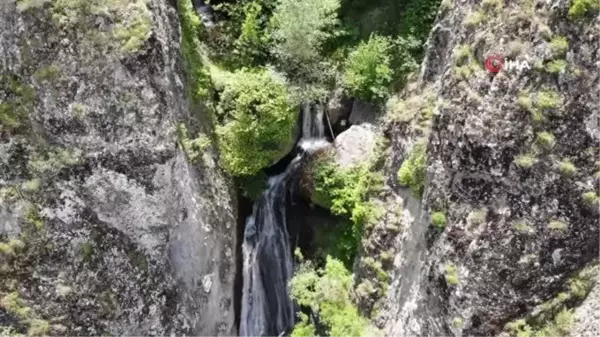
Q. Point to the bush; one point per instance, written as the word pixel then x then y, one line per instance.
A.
pixel 556 66
pixel 327 293
pixel 548 99
pixel 301 27
pixel 346 192
pixel 580 8
pixel 591 198
pixel 257 120
pixel 414 169
pixel 438 219
pixel 253 43
pixel 559 45
pixel 368 73
pixel 567 168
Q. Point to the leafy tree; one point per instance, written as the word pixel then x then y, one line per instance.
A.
pixel 301 27
pixel 327 293
pixel 257 119
pixel 368 73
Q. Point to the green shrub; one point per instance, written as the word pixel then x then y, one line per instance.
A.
pixel 477 217
pixel 580 8
pixel 457 322
pixel 546 139
pixel 13 304
pixel 6 249
pixel 557 225
pixel 462 54
pixel 591 198
pixel 194 148
pixel 474 19
pixel 491 5
pixel 301 27
pixel 525 161
pixel 327 293
pixel 197 75
pixel 451 275
pixel 368 73
pixel 559 45
pixel 523 228
pixel 414 169
pixel 38 327
pixel 567 168
pixel 556 66
pixel 548 99
pixel 257 122
pixel 524 101
pixel 346 192
pixel 438 219
pixel 251 46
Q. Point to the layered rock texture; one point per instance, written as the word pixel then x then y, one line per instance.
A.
pixel 106 226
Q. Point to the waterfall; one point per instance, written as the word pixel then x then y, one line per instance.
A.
pixel 267 309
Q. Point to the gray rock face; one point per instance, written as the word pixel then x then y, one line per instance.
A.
pixel 339 106
pixel 355 145
pixel 143 240
pixel 514 234
pixel 587 315
pixel 363 112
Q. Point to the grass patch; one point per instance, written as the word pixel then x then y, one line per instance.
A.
pixel 525 161
pixel 559 46
pixel 451 275
pixel 567 168
pixel 556 225
pixel 581 8
pixel 414 169
pixel 556 66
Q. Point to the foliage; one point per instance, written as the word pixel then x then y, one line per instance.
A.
pixel 251 46
pixel 567 168
pixel 546 139
pixel 16 101
pixel 257 117
pixel 525 161
pixel 474 19
pixel 301 27
pixel 368 74
pixel 580 8
pixel 346 192
pixel 451 275
pixel 414 169
pixel 559 45
pixel 131 20
pixel 557 225
pixel 438 219
pixel 327 293
pixel 197 75
pixel 556 66
pixel 194 148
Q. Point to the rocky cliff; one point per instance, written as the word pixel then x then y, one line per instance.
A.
pixel 508 215
pixel 107 227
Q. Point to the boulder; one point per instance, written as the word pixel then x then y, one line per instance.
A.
pixel 355 145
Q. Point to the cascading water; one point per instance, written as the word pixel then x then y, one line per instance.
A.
pixel 267 309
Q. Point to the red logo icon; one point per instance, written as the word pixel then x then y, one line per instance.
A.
pixel 494 63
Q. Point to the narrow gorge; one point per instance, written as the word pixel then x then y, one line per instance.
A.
pixel 299 168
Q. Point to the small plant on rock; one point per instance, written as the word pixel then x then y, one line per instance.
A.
pixel 557 225
pixel 451 275
pixel 525 161
pixel 559 45
pixel 438 219
pixel 546 139
pixel 567 168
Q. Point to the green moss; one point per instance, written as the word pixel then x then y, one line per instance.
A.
pixel 556 66
pixel 16 105
pixel 130 21
pixel 87 250
pixel 462 54
pixel 462 72
pixel 139 260
pixel 591 198
pixel 546 139
pixel 50 162
pixel 457 322
pixel 567 168
pixel 13 303
pixel 25 5
pixel 491 5
pixel 474 19
pixel 16 245
pixel 414 168
pixel 6 249
pixel 194 148
pixel 32 185
pixel 581 8
pixel 33 217
pixel 438 219
pixel 556 225
pixel 451 275
pixel 548 99
pixel 559 46
pixel 47 73
pixel 524 101
pixel 523 228
pixel 525 161
pixel 545 31
pixel 38 327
